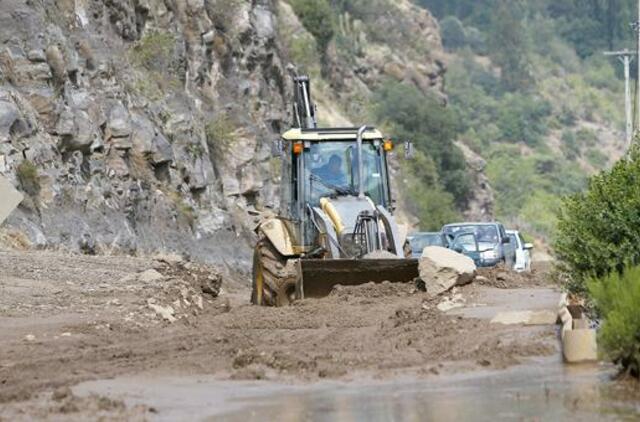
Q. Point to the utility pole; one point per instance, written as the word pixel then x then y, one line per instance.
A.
pixel 625 56
pixel 638 78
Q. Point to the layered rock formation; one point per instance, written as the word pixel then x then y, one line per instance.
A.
pixel 143 125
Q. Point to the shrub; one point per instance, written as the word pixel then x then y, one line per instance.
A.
pixel 28 177
pixel 599 230
pixel 154 50
pixel 453 36
pixel 597 159
pixel 221 133
pixel 522 118
pixel 617 300
pixel 317 17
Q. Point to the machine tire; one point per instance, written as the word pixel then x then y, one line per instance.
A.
pixel 274 276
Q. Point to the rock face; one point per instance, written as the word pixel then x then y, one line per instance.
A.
pixel 149 122
pixel 481 204
pixel 441 269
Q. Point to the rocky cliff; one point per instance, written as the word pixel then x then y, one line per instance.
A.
pixel 143 125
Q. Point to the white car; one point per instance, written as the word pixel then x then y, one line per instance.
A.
pixel 523 251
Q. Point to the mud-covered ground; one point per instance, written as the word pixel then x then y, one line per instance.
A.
pixel 66 319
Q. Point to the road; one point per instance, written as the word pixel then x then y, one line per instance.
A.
pixel 85 337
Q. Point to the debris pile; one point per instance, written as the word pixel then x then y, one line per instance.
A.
pixel 176 288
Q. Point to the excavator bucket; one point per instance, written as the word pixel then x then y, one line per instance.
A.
pixel 319 276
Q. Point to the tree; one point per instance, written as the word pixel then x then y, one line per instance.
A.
pixel 508 46
pixel 318 18
pixel 453 36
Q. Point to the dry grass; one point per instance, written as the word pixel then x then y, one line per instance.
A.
pixel 13 239
pixel 139 167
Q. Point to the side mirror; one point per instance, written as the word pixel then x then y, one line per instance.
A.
pixel 506 240
pixel 277 147
pixel 408 150
pixel 528 246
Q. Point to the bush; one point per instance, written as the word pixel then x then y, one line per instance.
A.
pixel 617 300
pixel 220 133
pixel 522 118
pixel 599 230
pixel 453 36
pixel 154 50
pixel 318 18
pixel 28 177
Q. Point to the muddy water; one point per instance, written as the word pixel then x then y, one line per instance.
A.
pixel 542 389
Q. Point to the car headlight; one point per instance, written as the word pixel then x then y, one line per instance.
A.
pixel 491 254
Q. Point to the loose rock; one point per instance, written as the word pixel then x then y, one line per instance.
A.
pixel 441 269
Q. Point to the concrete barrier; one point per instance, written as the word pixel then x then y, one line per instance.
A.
pixel 580 345
pixel 9 198
pixel 578 340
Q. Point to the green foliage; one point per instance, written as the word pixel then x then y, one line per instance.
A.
pixel 221 133
pixel 152 56
pixel 453 36
pixel 588 26
pixel 318 18
pixel 528 188
pixel 508 47
pixel 522 118
pixel 570 148
pixel 429 202
pixel 433 129
pixel 598 230
pixel 184 210
pixel 154 50
pixel 597 159
pixel 617 299
pixel 28 176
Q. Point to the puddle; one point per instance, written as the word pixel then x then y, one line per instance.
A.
pixel 542 389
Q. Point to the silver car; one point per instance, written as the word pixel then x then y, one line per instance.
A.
pixel 493 242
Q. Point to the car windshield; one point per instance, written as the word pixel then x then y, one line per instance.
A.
pixel 484 233
pixel 466 242
pixel 421 241
pixel 332 169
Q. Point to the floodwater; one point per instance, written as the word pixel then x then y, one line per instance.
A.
pixel 542 389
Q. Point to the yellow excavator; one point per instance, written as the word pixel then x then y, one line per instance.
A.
pixel 335 224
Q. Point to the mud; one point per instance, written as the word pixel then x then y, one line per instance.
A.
pixel 503 278
pixel 66 319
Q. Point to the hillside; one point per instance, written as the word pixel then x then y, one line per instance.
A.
pixel 535 97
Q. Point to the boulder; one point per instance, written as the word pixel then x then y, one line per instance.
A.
pixel 9 115
pixel 441 269
pixel 161 150
pixel 118 122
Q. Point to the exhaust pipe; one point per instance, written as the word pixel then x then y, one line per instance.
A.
pixel 360 169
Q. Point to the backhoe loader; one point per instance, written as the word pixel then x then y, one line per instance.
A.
pixel 335 225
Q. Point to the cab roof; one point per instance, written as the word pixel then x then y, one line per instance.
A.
pixel 329 134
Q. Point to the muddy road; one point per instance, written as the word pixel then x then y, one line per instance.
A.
pixel 67 319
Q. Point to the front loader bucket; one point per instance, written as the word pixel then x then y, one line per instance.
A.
pixel 320 275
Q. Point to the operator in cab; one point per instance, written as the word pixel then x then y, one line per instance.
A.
pixel 332 172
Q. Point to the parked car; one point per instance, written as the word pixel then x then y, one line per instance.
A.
pixel 466 243
pixel 421 240
pixel 523 251
pixel 493 244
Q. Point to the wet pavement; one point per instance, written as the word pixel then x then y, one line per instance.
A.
pixel 541 389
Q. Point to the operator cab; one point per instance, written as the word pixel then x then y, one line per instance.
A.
pixel 322 163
